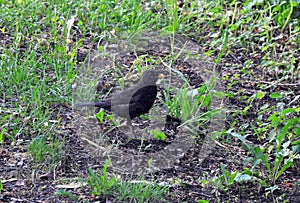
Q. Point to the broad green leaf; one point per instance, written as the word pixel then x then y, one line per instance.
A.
pixel 242 177
pixel 276 95
pixel 100 115
pixel 260 95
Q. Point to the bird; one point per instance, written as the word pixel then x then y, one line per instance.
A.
pixel 133 101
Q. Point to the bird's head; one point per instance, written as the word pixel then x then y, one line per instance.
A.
pixel 150 77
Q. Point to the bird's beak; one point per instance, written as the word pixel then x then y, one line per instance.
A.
pixel 161 76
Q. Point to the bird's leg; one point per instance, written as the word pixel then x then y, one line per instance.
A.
pixel 129 124
pixel 124 127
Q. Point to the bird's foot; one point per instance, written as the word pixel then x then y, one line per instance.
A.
pixel 126 128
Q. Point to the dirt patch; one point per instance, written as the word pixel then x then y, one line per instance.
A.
pixel 178 161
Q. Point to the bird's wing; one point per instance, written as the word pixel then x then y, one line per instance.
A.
pixel 121 110
pixel 124 96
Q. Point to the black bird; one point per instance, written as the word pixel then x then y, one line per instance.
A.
pixel 134 101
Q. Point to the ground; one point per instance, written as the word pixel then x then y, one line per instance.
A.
pixel 194 168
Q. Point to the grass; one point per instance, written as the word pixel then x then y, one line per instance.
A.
pixel 46 151
pixel 38 65
pixel 105 186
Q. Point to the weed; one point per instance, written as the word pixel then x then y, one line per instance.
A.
pixel 277 155
pixel 65 193
pixel 103 185
pixel 158 134
pixel 1 186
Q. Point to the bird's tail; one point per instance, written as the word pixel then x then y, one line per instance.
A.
pixel 102 104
